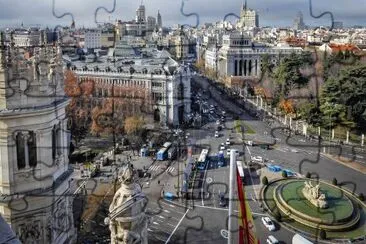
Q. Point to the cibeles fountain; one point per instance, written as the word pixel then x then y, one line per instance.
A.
pixel 314 195
pixel 127 219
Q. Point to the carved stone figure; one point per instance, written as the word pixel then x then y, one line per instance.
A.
pixel 127 220
pixel 314 195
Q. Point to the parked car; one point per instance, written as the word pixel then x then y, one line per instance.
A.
pixel 228 141
pixel 268 223
pixel 218 122
pixel 217 134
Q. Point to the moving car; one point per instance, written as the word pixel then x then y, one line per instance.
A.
pixel 222 147
pixel 227 141
pixel 272 240
pixel 268 223
pixel 257 159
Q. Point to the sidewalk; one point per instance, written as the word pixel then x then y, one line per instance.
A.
pixel 347 162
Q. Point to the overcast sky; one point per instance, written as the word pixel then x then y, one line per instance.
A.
pixel 273 13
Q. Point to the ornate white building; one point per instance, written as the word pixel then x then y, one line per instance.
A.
pixel 34 142
pixel 248 17
pixel 168 83
pixel 239 56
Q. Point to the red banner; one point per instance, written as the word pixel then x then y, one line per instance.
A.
pixel 246 224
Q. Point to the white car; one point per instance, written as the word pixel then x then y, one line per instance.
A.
pixel 272 240
pixel 222 147
pixel 227 141
pixel 228 151
pixel 217 134
pixel 268 223
pixel 257 159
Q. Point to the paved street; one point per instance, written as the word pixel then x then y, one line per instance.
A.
pixel 204 218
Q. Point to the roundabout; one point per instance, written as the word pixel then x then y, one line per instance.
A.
pixel 309 206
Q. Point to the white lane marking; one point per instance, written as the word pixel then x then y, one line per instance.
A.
pixel 161 217
pixel 167 211
pixel 155 223
pixel 176 227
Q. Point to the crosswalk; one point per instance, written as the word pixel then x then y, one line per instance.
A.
pixel 158 167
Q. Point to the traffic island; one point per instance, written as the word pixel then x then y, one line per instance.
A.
pixel 343 217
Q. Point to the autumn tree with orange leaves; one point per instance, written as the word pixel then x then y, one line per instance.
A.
pixel 78 111
pixel 91 110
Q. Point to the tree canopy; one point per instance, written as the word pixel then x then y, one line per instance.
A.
pixel 344 97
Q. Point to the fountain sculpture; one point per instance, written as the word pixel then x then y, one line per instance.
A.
pixel 314 195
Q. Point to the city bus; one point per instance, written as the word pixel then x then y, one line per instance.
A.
pixel 202 159
pixel 163 152
pixel 239 165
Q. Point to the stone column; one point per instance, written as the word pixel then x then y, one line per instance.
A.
pixel 319 131
pixel 285 119
pixel 305 129
pixel 290 122
pixel 347 137
pixel 261 102
pixel 332 134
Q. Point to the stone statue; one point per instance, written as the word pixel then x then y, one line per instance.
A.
pixel 127 220
pixel 313 194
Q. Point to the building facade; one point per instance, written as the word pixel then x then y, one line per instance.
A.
pixel 34 144
pixel 248 18
pixel 93 38
pixel 161 79
pixel 240 57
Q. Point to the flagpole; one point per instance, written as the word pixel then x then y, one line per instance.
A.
pixel 231 194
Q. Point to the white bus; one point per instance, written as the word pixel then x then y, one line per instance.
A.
pixel 239 165
pixel 203 156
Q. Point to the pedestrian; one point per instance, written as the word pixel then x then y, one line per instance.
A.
pixel 158 182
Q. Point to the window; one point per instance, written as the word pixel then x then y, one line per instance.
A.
pixel 54 142
pixel 20 151
pixel 32 149
pixel 156 84
pixel 180 92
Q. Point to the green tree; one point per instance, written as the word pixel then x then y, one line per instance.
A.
pixel 343 98
pixel 322 234
pixel 311 113
pixel 334 181
pixel 361 197
pixel 287 75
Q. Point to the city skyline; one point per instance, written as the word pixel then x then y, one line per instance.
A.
pixel 270 14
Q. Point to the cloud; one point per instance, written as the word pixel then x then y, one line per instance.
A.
pixel 280 12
